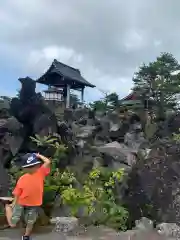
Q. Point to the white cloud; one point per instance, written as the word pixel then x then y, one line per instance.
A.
pixel 39 60
pixel 106 40
pixel 157 43
pixel 134 40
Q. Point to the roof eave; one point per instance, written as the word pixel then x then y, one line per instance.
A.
pixel 92 86
pixel 42 78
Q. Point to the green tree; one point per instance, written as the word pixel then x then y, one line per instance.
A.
pixel 5 98
pixel 110 101
pixel 99 105
pixel 74 100
pixel 113 99
pixel 5 105
pixel 156 80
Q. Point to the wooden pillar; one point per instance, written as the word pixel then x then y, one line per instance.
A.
pixel 82 95
pixel 68 96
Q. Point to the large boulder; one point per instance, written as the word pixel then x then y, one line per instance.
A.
pixel 86 132
pixel 119 153
pixel 4 181
pixel 154 184
pixel 3 127
pixel 45 125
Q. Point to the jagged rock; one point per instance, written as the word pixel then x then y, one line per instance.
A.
pixel 68 115
pixel 27 90
pixel 86 132
pixel 30 116
pixel 119 152
pixel 104 127
pixel 135 136
pixel 113 117
pixel 13 125
pixel 71 115
pixel 15 142
pixel 80 112
pixel 154 184
pixel 4 181
pixel 170 230
pixel 4 104
pixel 115 131
pixel 82 121
pixel 65 224
pixel 171 125
pixel 45 125
pixel 144 224
pixel 134 140
pixel 153 171
pixel 3 127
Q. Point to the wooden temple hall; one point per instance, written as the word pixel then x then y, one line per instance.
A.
pixel 60 79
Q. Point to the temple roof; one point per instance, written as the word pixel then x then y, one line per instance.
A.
pixel 60 74
pixel 131 96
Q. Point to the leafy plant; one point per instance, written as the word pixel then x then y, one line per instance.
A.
pixel 95 195
pixel 176 137
pixel 97 199
pixel 43 141
pixel 108 102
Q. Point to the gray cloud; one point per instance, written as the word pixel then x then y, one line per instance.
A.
pixel 107 40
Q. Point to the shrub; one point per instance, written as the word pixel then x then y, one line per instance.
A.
pixel 95 194
pixel 97 198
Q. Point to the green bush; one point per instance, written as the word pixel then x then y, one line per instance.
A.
pixel 176 137
pixel 95 194
pixel 97 199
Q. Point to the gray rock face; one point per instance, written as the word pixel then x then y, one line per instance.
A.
pixel 144 224
pixel 154 184
pixel 65 224
pixel 134 140
pixel 4 181
pixel 86 132
pixel 120 153
pixel 169 230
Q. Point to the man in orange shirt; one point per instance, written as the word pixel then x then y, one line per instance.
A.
pixel 28 193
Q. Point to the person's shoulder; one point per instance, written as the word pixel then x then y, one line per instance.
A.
pixel 43 170
pixel 23 177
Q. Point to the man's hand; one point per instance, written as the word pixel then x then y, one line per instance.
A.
pixel 45 160
pixel 13 202
pixel 37 155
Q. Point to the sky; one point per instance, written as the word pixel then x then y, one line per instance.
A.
pixel 106 39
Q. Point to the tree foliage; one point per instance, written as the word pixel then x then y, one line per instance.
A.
pixel 95 194
pixel 155 79
pixel 110 101
pixel 74 100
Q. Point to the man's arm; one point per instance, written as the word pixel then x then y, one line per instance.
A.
pixel 14 201
pixel 17 192
pixel 46 161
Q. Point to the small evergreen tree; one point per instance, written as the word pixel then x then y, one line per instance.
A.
pixel 156 80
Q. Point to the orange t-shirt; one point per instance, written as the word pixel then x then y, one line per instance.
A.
pixel 29 188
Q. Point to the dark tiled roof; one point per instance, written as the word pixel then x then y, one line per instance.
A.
pixel 67 72
pixel 131 96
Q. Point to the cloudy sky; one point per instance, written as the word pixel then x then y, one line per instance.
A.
pixel 106 39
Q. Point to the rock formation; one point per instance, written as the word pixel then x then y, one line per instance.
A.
pixel 151 186
pixel 22 118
